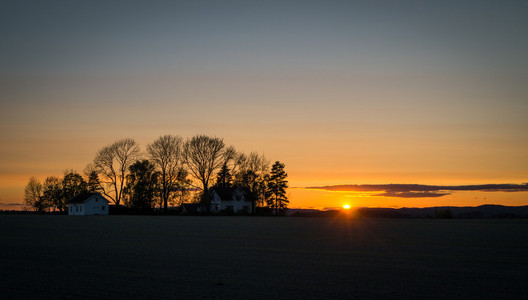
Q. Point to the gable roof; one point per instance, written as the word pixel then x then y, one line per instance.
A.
pixel 83 196
pixel 227 194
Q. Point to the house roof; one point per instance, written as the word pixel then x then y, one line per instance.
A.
pixel 227 194
pixel 83 196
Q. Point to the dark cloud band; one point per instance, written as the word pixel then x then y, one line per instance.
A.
pixel 419 190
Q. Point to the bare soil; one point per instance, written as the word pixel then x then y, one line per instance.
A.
pixel 261 258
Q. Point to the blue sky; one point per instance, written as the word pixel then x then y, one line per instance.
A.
pixel 266 36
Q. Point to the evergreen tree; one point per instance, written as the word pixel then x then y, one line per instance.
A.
pixel 94 184
pixel 276 190
pixel 224 179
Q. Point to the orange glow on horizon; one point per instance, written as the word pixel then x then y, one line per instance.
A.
pixel 330 200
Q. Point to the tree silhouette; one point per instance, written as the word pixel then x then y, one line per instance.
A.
pixel 72 184
pixel 112 163
pixel 206 159
pixel 93 184
pixel 166 153
pixel 142 185
pixel 52 192
pixel 181 190
pixel 224 178
pixel 251 174
pixel 277 185
pixel 203 156
pixel 33 195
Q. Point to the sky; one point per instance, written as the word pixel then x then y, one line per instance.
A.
pixel 342 92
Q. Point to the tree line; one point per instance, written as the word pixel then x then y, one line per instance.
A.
pixel 170 172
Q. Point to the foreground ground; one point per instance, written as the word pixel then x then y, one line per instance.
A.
pixel 263 258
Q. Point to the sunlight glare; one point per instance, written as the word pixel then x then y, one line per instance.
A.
pixel 346 206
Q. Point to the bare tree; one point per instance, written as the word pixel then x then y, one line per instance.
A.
pixel 52 192
pixel 33 195
pixel 166 153
pixel 251 171
pixel 253 162
pixel 203 156
pixel 112 163
pixel 230 154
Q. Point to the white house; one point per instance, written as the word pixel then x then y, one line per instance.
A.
pixel 229 199
pixel 87 203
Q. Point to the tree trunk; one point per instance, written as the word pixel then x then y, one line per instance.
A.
pixel 276 206
pixel 164 192
pixel 165 200
pixel 205 196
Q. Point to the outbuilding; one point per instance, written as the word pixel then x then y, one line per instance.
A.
pixel 88 203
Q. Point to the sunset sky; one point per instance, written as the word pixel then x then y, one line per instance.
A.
pixel 342 92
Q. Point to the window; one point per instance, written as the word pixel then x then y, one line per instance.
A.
pixel 245 207
pixel 76 208
pixel 229 207
pixel 102 208
pixel 80 208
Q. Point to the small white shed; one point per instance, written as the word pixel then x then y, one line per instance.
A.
pixel 87 203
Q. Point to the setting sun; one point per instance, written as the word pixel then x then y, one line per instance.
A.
pixel 346 206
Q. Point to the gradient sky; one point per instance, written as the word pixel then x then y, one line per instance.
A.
pixel 342 92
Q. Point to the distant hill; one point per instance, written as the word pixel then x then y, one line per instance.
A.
pixel 487 211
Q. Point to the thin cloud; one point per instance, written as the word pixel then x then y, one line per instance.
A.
pixel 420 190
pixel 412 194
pixel 10 204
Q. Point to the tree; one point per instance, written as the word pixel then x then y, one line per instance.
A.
pixel 203 156
pixel 52 192
pixel 33 195
pixel 93 184
pixel 182 188
pixel 142 185
pixel 72 184
pixel 166 153
pixel 224 178
pixel 277 185
pixel 251 174
pixel 112 163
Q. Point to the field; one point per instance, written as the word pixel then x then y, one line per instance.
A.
pixel 261 257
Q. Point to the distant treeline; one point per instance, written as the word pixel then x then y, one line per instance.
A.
pixel 170 172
